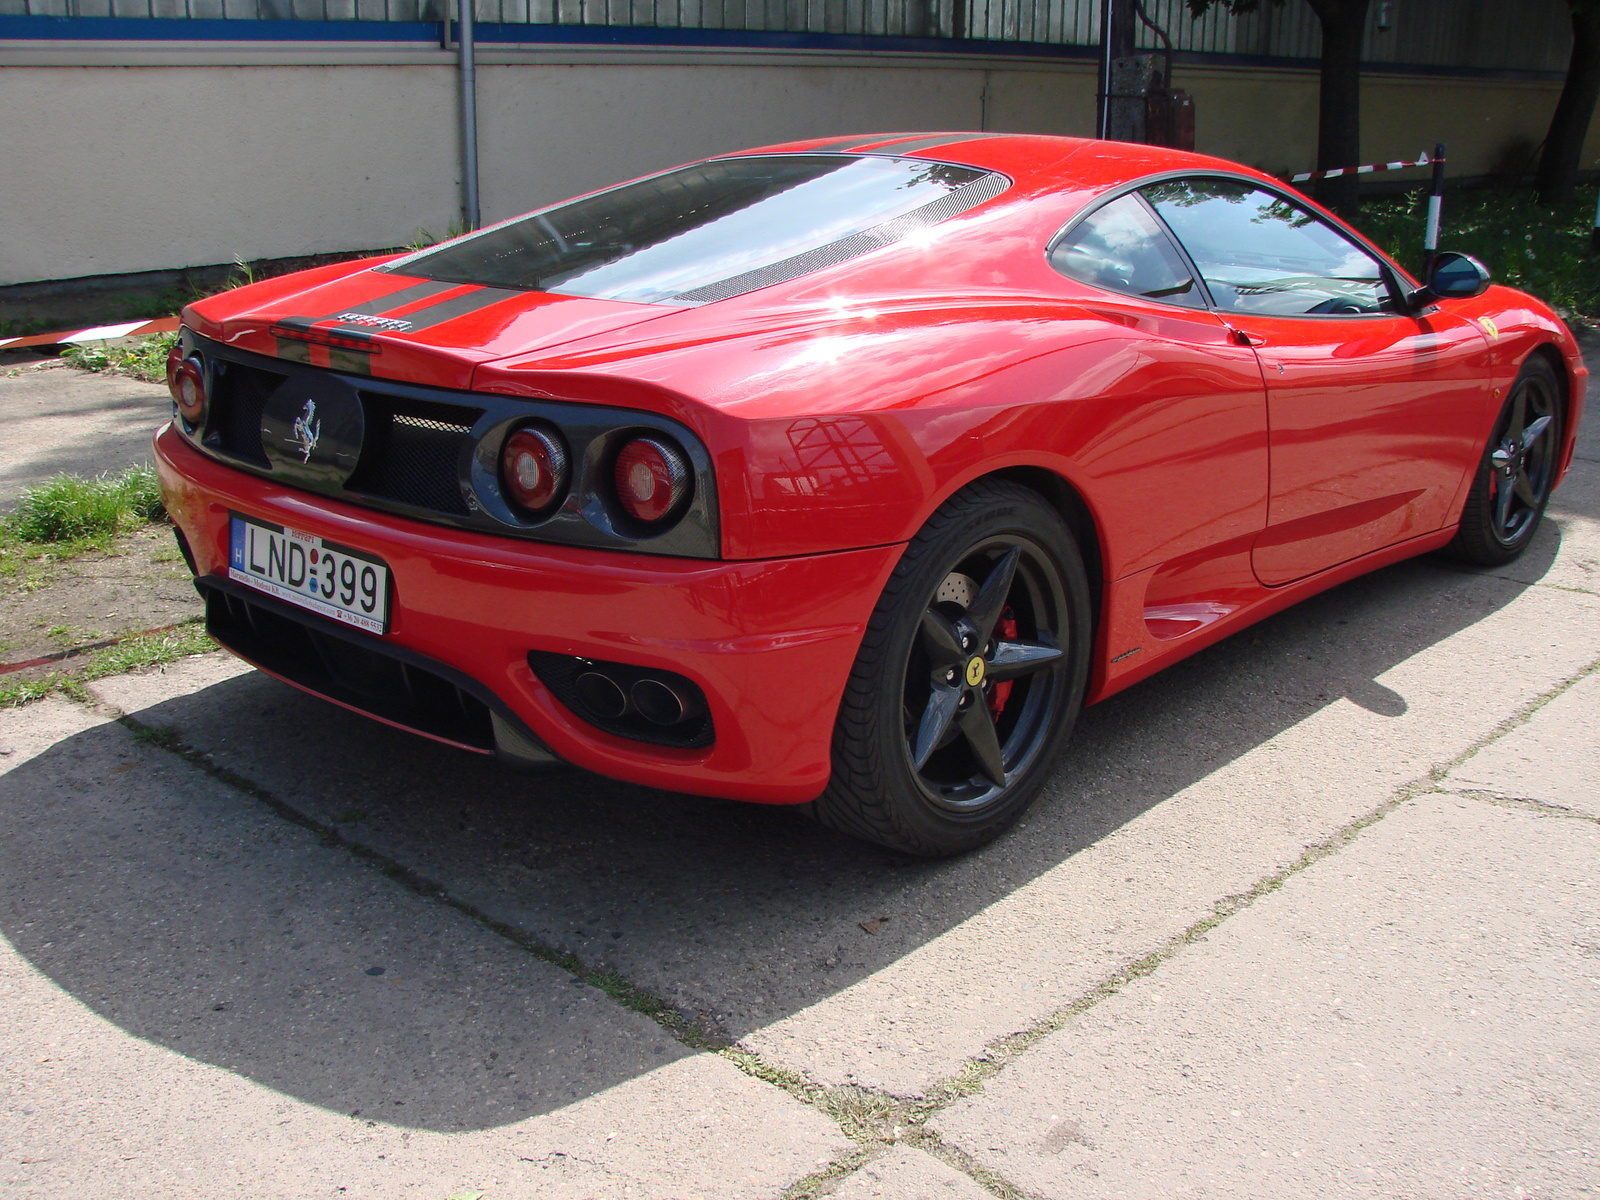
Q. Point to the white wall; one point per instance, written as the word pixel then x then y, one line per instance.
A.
pixel 120 159
pixel 137 168
pixel 143 168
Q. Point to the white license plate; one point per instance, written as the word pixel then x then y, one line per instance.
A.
pixel 301 568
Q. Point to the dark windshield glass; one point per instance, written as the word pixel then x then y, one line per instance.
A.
pixel 666 237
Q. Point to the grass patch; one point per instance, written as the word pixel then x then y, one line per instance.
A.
pixel 130 654
pixel 426 237
pixel 147 650
pixel 1541 250
pixel 29 566
pixel 86 511
pixel 144 358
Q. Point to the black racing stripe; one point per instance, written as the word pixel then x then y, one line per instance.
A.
pixel 846 143
pixel 460 306
pixel 354 333
pixel 351 362
pixel 379 305
pixel 925 143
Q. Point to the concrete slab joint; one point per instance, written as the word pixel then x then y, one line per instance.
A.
pixel 1313 913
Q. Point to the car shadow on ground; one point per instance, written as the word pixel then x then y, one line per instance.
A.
pixel 737 914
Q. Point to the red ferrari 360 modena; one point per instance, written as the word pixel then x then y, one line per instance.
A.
pixel 843 472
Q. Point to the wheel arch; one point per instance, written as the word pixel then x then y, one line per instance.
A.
pixel 1075 511
pixel 1551 353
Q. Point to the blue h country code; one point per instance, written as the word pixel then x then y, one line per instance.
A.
pixel 303 570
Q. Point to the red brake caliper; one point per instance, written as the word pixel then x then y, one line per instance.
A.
pixel 1007 629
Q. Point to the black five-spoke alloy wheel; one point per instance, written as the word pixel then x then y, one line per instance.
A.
pixel 968 680
pixel 1518 470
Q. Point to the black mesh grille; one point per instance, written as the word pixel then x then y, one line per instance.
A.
pixel 559 673
pixel 240 393
pixel 412 451
pixel 346 670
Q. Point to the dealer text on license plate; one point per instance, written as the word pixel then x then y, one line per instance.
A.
pixel 302 569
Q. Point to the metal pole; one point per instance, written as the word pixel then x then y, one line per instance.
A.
pixel 1103 115
pixel 1430 237
pixel 469 119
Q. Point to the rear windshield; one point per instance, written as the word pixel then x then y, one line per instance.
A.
pixel 711 230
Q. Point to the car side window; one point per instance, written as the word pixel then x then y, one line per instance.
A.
pixel 1260 253
pixel 1122 248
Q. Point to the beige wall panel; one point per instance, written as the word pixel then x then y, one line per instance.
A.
pixel 146 168
pixel 1054 100
pixel 1265 119
pixel 152 167
pixel 1490 126
pixel 1268 119
pixel 548 132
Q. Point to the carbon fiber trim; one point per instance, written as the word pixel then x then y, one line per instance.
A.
pixel 857 244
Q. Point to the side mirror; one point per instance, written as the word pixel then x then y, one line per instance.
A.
pixel 1451 276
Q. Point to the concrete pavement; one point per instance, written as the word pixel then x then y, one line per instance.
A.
pixel 57 418
pixel 1310 914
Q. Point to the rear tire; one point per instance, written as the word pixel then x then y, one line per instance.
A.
pixel 934 751
pixel 1517 471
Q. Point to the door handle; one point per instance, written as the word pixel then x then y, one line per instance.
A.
pixel 1241 338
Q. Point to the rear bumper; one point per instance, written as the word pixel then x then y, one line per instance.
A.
pixel 770 643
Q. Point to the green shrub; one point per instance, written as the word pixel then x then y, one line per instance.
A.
pixel 1541 250
pixel 71 507
pixel 144 359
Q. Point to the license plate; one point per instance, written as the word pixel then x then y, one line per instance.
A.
pixel 301 568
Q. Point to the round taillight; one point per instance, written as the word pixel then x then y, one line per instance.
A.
pixel 533 465
pixel 652 478
pixel 174 361
pixel 187 383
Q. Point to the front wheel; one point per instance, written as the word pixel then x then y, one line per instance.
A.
pixel 1517 471
pixel 969 677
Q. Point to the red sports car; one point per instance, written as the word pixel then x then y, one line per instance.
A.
pixel 842 473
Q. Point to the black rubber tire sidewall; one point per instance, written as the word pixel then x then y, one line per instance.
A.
pixel 872 793
pixel 1475 541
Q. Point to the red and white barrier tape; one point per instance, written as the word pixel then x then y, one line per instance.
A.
pixel 92 333
pixel 1422 161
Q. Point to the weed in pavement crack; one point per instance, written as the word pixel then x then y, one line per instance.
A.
pixel 823 1182
pixel 979 1069
pixel 871 1118
pixel 696 1034
pixel 1526 803
pixel 927 1140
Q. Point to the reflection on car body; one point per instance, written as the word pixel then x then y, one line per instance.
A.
pixel 844 473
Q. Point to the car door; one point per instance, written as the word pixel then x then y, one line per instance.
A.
pixel 1374 412
pixel 1182 454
